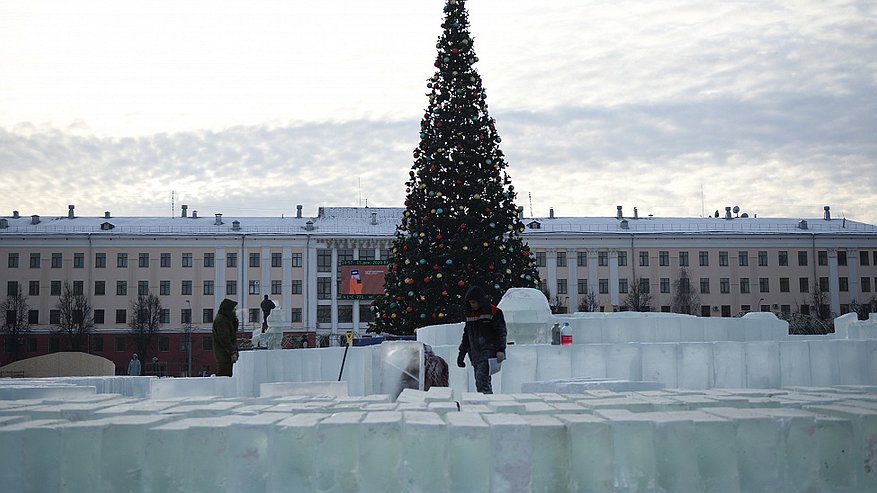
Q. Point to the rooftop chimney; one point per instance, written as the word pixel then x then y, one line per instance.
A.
pixel 194 214
pixel 298 211
pixel 520 212
pixel 374 218
pixel 185 209
pixel 15 215
pixel 107 214
pixel 35 219
pixel 236 225
pixel 827 213
pixel 70 211
pixel 635 213
pixel 727 213
pixel 618 213
pixel 218 219
pixel 551 213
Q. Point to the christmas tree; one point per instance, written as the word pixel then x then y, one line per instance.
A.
pixel 461 227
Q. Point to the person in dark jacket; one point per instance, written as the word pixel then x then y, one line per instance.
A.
pixel 484 337
pixel 267 305
pixel 225 330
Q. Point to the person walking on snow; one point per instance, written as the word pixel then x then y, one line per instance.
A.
pixel 225 330
pixel 134 366
pixel 484 337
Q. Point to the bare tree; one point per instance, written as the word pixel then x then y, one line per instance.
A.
pixel 639 297
pixel 820 303
pixel 16 324
pixel 685 296
pixel 589 303
pixel 77 320
pixel 144 323
pixel 556 304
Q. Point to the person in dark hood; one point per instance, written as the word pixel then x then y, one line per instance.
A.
pixel 225 330
pixel 484 337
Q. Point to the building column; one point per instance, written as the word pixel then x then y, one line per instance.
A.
pixel 355 305
pixel 853 263
pixel 613 278
pixel 551 268
pixel 832 282
pixel 286 284
pixel 334 294
pixel 219 276
pixel 572 281
pixel 310 286
pixel 593 279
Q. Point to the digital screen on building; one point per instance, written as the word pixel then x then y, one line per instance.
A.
pixel 362 279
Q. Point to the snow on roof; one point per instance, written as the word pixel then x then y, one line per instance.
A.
pixel 382 221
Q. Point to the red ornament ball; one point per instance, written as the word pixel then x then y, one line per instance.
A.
pixel 461 283
pixel 409 309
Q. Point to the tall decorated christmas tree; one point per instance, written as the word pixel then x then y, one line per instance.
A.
pixel 461 227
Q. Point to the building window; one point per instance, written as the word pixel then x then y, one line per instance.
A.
pixel 804 284
pixel 186 288
pixel 561 286
pixel 723 259
pixel 622 259
pixel 540 259
pixel 725 285
pixel 744 285
pixel 843 284
pixel 683 259
pixel 644 285
pixel 276 260
pixel 35 261
pixel 207 315
pixel 121 316
pixel 78 260
pixel 54 317
pixel 602 259
pixel 97 344
pixel 100 260
pixel 12 261
pixel 863 257
pixel 583 286
pixel 254 315
pixel 623 286
pixel 254 260
pixel 763 284
pixel 296 315
pixel 165 260
pixel 784 285
pixel 665 308
pixel 254 287
pixel 164 344
pixel 582 259
pixel 121 288
pixel 366 315
pixel 122 260
pixel 11 288
pixel 704 258
pixel 604 286
pixel 207 343
pixel 866 284
pixel 841 257
pixel 164 316
pixel 231 260
pixel 704 310
pixel 231 287
pixel 209 260
pixel 186 260
pixel 385 254
pixel 142 288
pixel 57 260
pixel 366 254
pixel 208 288
pixel 786 309
pixel 561 259
pixel 186 316
pixel 296 286
pixel 643 259
pixel 33 288
pixel 665 285
pixel 762 258
pixel 55 288
pixel 324 260
pixel 805 309
pixel 822 257
pixel 119 344
pixel 704 285
pixel 743 259
pixel 164 288
pixel 345 314
pixel 324 288
pixel 143 260
pixel 726 310
pixel 296 259
pixel 324 314
pixel 78 288
pixel 276 287
pixel 823 284
pixel 802 257
pixel 783 258
pixel 99 317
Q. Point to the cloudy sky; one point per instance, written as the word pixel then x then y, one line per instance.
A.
pixel 248 108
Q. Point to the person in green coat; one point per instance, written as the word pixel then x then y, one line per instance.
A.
pixel 225 333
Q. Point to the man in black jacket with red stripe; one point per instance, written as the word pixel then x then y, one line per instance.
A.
pixel 484 337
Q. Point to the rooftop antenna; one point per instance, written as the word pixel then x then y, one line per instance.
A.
pixel 701 200
pixel 530 194
pixel 172 204
pixel 359 189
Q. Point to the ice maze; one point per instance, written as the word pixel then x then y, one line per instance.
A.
pixel 639 403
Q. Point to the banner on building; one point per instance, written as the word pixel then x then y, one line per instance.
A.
pixel 362 279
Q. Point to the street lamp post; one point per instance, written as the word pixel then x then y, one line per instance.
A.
pixel 189 341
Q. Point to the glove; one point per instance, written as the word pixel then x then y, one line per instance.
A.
pixel 500 357
pixel 234 357
pixel 461 362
